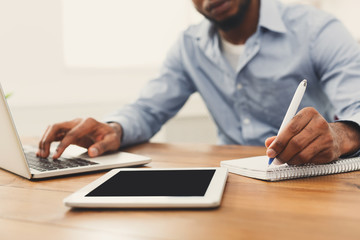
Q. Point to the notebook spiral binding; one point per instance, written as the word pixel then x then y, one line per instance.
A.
pixel 310 170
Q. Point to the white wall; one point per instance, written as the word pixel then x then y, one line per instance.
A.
pixel 346 11
pixel 50 83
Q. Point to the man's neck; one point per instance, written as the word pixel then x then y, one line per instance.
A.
pixel 248 26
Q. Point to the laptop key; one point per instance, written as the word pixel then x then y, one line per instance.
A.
pixel 47 164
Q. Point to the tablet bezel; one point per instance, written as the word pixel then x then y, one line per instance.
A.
pixel 211 199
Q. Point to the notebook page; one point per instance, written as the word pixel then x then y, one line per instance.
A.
pixel 257 167
pixel 259 163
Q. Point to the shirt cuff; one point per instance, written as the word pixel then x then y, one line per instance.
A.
pixel 356 121
pixel 126 139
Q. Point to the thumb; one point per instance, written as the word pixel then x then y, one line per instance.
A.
pixel 106 144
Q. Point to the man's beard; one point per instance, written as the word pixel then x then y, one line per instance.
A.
pixel 232 21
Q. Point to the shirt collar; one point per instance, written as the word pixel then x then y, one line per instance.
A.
pixel 208 39
pixel 270 17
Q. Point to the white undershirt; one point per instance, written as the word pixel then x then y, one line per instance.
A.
pixel 232 52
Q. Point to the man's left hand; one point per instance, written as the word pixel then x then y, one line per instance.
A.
pixel 309 138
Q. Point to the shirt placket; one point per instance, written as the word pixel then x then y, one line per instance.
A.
pixel 252 47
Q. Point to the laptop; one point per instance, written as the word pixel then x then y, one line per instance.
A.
pixel 22 160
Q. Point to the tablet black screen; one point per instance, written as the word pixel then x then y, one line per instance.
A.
pixel 155 183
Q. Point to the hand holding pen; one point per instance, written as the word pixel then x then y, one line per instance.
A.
pixel 293 107
pixel 308 138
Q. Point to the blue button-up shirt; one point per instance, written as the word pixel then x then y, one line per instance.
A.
pixel 291 43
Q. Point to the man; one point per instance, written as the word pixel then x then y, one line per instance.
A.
pixel 246 59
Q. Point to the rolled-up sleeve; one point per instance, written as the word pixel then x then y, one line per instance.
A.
pixel 336 57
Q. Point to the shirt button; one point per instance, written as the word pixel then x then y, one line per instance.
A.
pixel 239 86
pixel 246 121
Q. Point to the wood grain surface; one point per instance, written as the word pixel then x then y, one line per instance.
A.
pixel 326 207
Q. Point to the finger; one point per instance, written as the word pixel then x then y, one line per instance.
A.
pixel 83 128
pixel 298 143
pixel 323 157
pixel 54 133
pixel 320 151
pixel 110 142
pixel 41 150
pixel 84 142
pixel 269 140
pixel 50 135
pixel 323 142
pixel 313 153
pixel 296 125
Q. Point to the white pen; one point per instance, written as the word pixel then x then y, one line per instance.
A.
pixel 293 107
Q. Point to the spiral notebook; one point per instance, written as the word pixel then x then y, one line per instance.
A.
pixel 257 167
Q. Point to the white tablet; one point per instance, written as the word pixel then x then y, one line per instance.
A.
pixel 153 188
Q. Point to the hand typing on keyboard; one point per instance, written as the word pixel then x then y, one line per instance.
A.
pixel 46 164
pixel 97 137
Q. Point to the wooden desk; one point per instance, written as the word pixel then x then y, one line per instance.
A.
pixel 325 207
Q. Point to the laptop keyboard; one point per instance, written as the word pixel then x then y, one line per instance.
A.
pixel 48 164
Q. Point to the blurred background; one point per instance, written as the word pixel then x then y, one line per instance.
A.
pixel 64 59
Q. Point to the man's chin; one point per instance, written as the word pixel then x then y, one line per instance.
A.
pixel 226 24
pixel 231 22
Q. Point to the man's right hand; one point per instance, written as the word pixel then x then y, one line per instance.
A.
pixel 96 136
